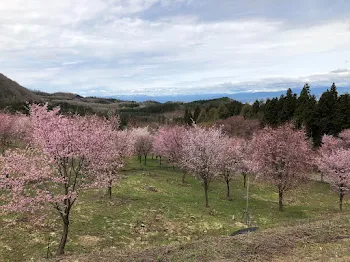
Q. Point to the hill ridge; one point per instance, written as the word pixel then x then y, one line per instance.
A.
pixel 12 92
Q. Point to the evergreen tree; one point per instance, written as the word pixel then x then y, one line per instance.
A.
pixel 196 113
pixel 202 116
pixel 247 111
pixel 223 111
pixel 271 112
pixel 306 114
pixel 188 118
pixel 256 107
pixel 327 111
pixel 234 108
pixel 213 114
pixel 343 112
pixel 287 104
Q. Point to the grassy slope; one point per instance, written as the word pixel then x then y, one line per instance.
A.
pixel 151 208
pixel 324 240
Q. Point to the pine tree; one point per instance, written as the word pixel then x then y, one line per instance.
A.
pixel 234 108
pixel 223 112
pixel 188 118
pixel 287 105
pixel 202 116
pixel 256 107
pixel 213 114
pixel 327 110
pixel 271 112
pixel 247 111
pixel 343 112
pixel 306 114
pixel 196 113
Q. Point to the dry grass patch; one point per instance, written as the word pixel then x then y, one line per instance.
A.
pixel 315 241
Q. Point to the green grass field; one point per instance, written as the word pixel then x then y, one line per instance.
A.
pixel 150 208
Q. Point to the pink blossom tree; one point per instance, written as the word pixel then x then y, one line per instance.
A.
pixel 143 142
pixel 202 154
pixel 168 143
pixel 23 172
pixel 282 156
pixel 6 131
pixel 246 163
pixel 334 163
pixel 230 160
pixel 13 128
pixel 69 150
pixel 157 148
pixel 118 149
pixel 345 136
pixel 114 147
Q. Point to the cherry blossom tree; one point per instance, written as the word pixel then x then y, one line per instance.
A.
pixel 230 160
pixel 143 142
pixel 157 148
pixel 67 152
pixel 13 128
pixel 6 131
pixel 22 170
pixel 121 147
pixel 281 156
pixel 168 143
pixel 202 154
pixel 246 160
pixel 334 163
pixel 236 158
pixel 22 128
pixel 114 147
pixel 345 136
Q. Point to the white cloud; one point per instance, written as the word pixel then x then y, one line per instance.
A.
pixel 78 46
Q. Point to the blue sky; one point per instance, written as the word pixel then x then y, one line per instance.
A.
pixel 174 47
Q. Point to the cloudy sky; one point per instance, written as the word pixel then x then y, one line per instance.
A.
pixel 165 47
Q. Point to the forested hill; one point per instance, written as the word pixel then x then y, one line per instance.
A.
pixel 12 92
pixel 13 97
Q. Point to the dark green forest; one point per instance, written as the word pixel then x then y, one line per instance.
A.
pixel 329 114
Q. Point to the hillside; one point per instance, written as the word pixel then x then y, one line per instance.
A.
pixel 322 240
pixel 13 97
pixel 11 92
pixel 152 216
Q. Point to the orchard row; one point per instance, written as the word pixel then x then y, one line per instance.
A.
pixel 48 159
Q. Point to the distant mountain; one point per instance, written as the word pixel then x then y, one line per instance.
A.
pixel 245 97
pixel 12 92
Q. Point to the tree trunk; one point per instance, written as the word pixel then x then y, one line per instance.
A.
pixel 183 177
pixel 160 160
pixel 280 198
pixel 228 188
pixel 64 236
pixel 244 180
pixel 145 159
pixel 322 177
pixel 341 196
pixel 110 189
pixel 140 158
pixel 206 186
